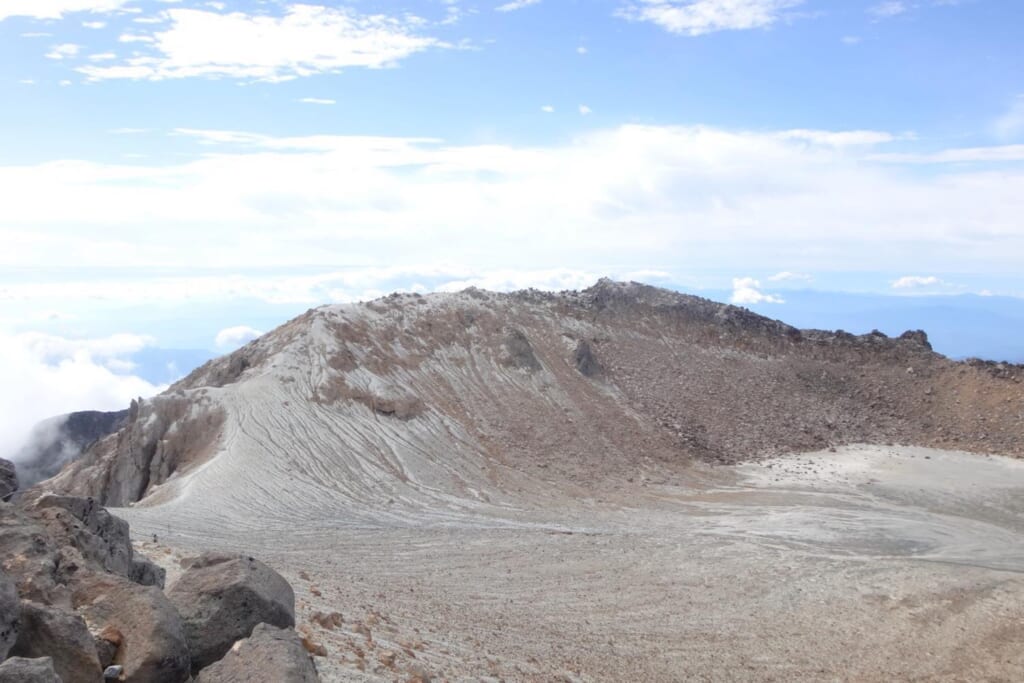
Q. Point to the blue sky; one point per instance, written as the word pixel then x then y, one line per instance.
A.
pixel 176 170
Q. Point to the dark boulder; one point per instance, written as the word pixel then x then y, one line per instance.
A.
pixel 61 635
pixel 269 655
pixel 221 598
pixel 22 670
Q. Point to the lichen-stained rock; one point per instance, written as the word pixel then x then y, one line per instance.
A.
pixel 100 537
pixel 8 479
pixel 61 635
pixel 221 598
pixel 269 655
pixel 9 612
pixel 23 670
pixel 152 647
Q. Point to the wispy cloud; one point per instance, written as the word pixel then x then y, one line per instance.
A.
pixel 994 154
pixel 65 50
pixel 55 9
pixel 316 100
pixel 787 276
pixel 916 281
pixel 231 338
pixel 305 40
pixel 698 17
pixel 890 8
pixel 515 4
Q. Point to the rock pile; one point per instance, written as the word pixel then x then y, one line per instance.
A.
pixel 77 606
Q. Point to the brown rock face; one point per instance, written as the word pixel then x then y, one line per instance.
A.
pixel 269 655
pixel 150 637
pixel 221 598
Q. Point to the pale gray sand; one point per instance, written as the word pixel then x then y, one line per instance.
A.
pixel 867 564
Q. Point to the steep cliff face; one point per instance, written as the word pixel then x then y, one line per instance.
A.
pixel 477 398
pixel 59 440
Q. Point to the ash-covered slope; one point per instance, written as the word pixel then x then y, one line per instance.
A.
pixel 410 406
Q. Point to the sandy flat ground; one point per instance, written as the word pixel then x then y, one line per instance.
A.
pixel 865 564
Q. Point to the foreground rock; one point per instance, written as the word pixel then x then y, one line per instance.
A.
pixel 22 670
pixel 52 632
pixel 221 598
pixel 269 655
pixel 152 647
pixel 8 479
pixel 9 612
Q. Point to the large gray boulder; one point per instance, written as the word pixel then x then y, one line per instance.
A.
pixel 221 598
pixel 269 655
pixel 8 479
pixel 152 646
pixel 9 613
pixel 22 670
pixel 63 636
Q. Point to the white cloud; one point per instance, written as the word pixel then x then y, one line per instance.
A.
pixel 102 57
pixel 640 195
pixel 747 290
pixel 548 109
pixel 231 338
pixel 304 41
pixel 46 376
pixel 851 40
pixel 698 17
pixel 64 50
pixel 995 154
pixel 316 100
pixel 846 138
pixel 890 8
pixel 1011 124
pixel 585 110
pixel 787 276
pixel 95 25
pixel 55 9
pixel 581 50
pixel 515 4
pixel 914 281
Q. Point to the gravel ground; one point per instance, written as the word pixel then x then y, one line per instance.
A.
pixel 864 564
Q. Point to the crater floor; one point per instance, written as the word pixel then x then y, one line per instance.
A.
pixel 868 563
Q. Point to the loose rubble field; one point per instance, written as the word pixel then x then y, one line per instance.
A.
pixel 864 564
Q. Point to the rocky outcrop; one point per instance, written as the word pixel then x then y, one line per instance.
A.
pixel 161 437
pixel 61 635
pixel 269 655
pixel 221 598
pixel 8 480
pixel 88 528
pixel 22 670
pixel 152 647
pixel 57 441
pixel 9 615
pixel 73 601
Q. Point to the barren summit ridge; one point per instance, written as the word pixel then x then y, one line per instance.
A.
pixel 476 398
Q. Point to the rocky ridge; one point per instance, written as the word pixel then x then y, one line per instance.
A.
pixel 577 382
